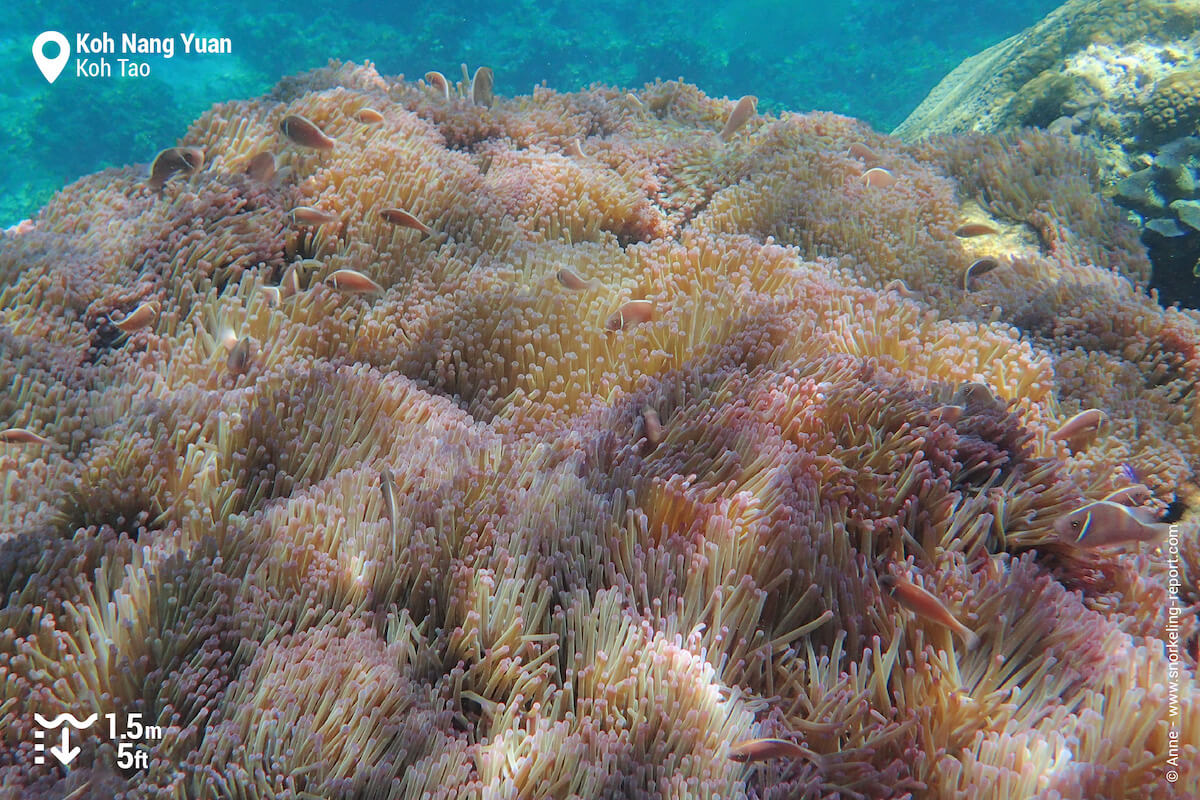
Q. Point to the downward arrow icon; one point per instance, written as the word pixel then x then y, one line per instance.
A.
pixel 66 754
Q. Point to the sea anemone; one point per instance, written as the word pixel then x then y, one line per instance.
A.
pixel 572 447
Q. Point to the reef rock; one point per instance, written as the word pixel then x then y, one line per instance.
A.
pixel 1126 75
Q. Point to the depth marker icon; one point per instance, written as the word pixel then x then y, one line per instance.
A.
pixel 64 752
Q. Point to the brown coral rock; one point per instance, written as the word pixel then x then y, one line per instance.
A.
pixel 996 89
pixel 1124 76
pixel 1173 108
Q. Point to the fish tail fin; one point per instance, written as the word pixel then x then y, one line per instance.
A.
pixel 970 638
pixel 816 759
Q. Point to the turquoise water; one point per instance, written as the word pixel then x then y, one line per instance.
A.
pixel 874 60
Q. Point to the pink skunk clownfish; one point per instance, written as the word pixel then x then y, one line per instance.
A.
pixel 1131 496
pixel 1081 430
pixel 755 750
pixel 1104 523
pixel 925 604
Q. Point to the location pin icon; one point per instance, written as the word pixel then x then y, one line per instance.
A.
pixel 51 67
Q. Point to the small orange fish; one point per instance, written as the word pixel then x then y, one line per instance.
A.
pixel 1081 430
pixel 753 750
pixel 652 426
pixel 307 215
pixel 949 414
pixel 742 113
pixel 862 152
pixel 387 486
pixel 348 280
pixel 481 87
pixel 572 281
pixel 1105 523
pixel 398 216
pixel 369 116
pixel 21 436
pixel 304 132
pixel 240 356
pixel 980 266
pixel 139 318
pixel 879 177
pixel 187 160
pixel 969 229
pixel 437 81
pixel 261 168
pixel 1136 495
pixel 924 604
pixel 632 313
pixel 974 393
pixel 574 149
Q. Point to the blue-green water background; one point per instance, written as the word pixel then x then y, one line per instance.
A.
pixel 873 59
